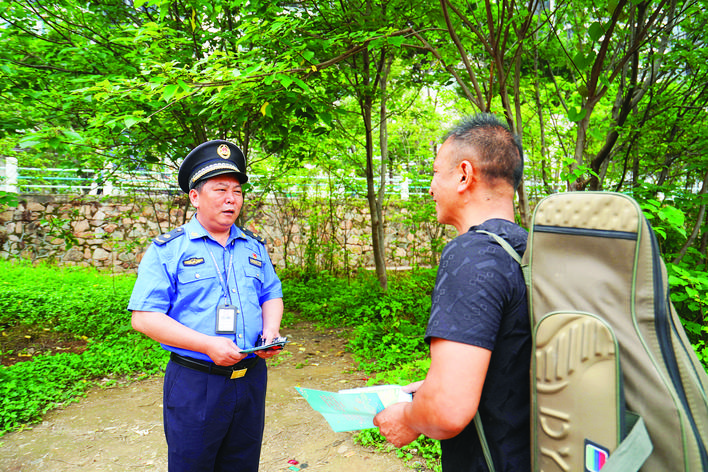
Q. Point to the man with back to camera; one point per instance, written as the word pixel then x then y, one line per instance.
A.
pixel 479 330
pixel 206 291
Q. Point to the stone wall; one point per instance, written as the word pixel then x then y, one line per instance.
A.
pixel 112 233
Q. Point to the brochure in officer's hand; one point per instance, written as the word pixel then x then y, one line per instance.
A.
pixel 276 344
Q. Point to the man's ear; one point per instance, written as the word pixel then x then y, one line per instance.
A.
pixel 466 174
pixel 194 198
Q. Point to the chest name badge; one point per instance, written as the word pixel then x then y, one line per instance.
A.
pixel 193 261
pixel 255 261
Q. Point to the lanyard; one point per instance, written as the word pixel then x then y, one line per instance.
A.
pixel 224 285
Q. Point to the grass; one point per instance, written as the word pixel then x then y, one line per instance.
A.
pixel 73 323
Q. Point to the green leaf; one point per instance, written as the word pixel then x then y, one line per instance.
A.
pixel 576 114
pixel 597 133
pixel 130 121
pixel 326 117
pixel 9 199
pixel 396 40
pixel 186 88
pixel 596 31
pixel 300 83
pixel 73 135
pixel 285 80
pixel 583 61
pixel 376 43
pixel 169 92
pixel 611 6
pixel 604 81
pixel 674 217
pixel 29 142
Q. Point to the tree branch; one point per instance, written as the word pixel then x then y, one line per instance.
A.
pixel 697 225
pixel 463 54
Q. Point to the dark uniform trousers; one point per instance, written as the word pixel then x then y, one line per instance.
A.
pixel 212 422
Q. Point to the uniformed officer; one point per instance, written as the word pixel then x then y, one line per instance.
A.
pixel 206 291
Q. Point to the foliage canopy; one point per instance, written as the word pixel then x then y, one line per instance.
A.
pixel 606 95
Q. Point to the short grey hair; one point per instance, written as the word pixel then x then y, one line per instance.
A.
pixel 498 149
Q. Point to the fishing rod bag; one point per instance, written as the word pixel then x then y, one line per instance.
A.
pixel 616 385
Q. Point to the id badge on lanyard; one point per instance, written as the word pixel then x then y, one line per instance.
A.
pixel 226 314
pixel 226 319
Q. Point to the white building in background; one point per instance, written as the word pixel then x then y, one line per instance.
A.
pixel 8 174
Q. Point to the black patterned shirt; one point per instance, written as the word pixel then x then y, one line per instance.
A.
pixel 480 299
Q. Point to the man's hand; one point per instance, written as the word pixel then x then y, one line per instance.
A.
pixel 445 403
pixel 272 316
pixel 166 330
pixel 391 424
pixel 268 353
pixel 412 387
pixel 269 337
pixel 224 351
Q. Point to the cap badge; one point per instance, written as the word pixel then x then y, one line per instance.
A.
pixel 223 151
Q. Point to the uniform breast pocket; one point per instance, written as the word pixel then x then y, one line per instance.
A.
pixel 198 283
pixel 254 278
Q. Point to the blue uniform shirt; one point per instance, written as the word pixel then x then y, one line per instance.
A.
pixel 181 279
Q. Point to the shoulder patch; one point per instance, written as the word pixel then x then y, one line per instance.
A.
pixel 167 237
pixel 253 235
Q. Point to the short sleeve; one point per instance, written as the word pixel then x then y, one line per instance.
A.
pixel 154 288
pixel 471 291
pixel 272 287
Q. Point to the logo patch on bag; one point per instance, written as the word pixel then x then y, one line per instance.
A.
pixel 595 456
pixel 193 261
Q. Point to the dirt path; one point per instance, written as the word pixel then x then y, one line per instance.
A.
pixel 120 429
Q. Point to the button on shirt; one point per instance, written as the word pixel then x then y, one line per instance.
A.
pixel 180 278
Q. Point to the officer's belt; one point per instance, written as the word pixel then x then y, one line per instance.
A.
pixel 234 372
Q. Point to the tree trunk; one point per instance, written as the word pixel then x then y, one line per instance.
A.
pixel 383 146
pixel 377 229
pixel 541 122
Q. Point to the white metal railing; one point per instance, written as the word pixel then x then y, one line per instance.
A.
pixel 32 180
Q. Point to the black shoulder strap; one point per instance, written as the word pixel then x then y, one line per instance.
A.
pixel 167 237
pixel 253 235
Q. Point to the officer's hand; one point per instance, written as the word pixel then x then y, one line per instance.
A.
pixel 268 353
pixel 224 351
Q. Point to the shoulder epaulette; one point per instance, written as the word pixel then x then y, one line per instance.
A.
pixel 167 237
pixel 253 235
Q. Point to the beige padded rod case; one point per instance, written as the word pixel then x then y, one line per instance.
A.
pixel 606 334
